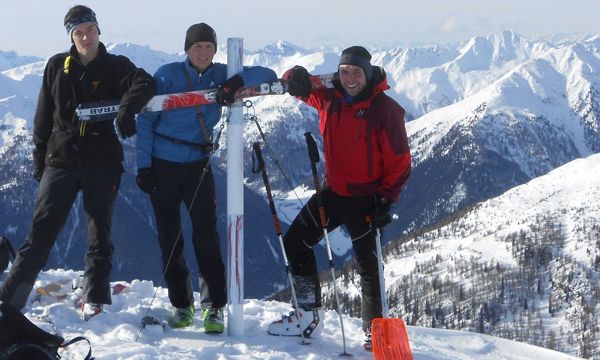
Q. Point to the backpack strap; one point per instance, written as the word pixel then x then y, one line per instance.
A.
pixel 23 350
pixel 67 65
pixel 199 116
pixel 76 340
pixel 205 147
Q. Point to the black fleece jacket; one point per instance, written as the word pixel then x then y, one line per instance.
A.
pixel 60 139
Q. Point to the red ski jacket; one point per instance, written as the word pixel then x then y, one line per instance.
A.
pixel 365 143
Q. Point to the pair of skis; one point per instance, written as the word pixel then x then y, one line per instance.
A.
pixel 107 110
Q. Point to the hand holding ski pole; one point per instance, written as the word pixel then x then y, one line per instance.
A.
pixel 381 214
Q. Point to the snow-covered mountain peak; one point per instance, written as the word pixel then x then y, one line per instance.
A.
pixel 130 49
pixel 594 39
pixel 281 48
pixel 428 78
pixel 10 59
pixel 144 56
pixel 19 73
pixel 556 89
pixel 494 51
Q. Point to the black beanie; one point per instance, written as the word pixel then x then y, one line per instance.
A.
pixel 199 32
pixel 358 56
pixel 79 14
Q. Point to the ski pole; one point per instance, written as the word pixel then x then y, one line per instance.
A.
pixel 313 154
pixel 278 232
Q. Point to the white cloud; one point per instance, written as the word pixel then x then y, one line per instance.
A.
pixel 451 24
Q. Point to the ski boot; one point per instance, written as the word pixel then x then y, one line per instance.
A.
pixel 298 322
pixel 213 320
pixel 182 317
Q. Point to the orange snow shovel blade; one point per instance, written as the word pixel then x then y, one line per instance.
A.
pixel 390 340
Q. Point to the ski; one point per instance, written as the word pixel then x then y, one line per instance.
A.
pixel 107 110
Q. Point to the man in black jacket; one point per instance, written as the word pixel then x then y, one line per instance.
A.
pixel 72 156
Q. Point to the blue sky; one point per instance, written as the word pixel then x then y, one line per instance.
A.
pixel 34 27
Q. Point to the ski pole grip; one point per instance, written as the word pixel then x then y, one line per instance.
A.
pixel 313 152
pixel 259 157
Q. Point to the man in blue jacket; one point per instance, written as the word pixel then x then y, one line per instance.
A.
pixel 173 152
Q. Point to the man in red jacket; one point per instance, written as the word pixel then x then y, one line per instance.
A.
pixel 367 161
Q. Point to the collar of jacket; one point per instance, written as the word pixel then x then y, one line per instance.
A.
pixel 377 85
pixel 74 54
pixel 193 71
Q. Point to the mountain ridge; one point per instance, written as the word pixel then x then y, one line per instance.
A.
pixel 468 163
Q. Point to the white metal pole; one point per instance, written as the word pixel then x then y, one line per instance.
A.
pixel 385 309
pixel 235 199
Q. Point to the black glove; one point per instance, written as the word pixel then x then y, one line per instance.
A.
pixel 145 180
pixel 381 214
pixel 226 92
pixel 298 80
pixel 125 123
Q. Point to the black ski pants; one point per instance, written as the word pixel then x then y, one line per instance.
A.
pixel 56 194
pixel 306 231
pixel 177 182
